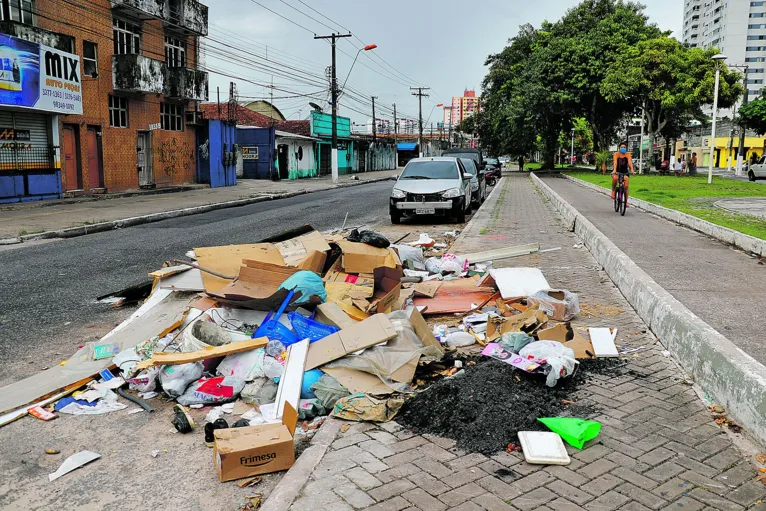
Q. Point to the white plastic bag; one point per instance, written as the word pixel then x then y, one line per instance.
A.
pixel 559 357
pixel 453 264
pixel 457 339
pixel 208 391
pixel 412 254
pixel 247 365
pixel 145 381
pixel 434 265
pixel 174 379
pixel 271 367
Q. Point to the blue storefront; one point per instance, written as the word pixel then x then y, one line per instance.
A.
pixel 257 149
pixel 321 128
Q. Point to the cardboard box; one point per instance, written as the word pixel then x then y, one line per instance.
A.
pixel 363 258
pixel 330 313
pixel 555 308
pixel 528 322
pixel 249 451
pixel 364 334
pixel 388 286
pixel 362 286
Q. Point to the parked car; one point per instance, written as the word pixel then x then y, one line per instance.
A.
pixel 493 170
pixel 432 186
pixel 757 170
pixel 478 182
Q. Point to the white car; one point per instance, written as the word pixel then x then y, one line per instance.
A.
pixel 757 170
pixel 432 186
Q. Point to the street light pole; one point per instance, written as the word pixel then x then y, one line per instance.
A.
pixel 741 152
pixel 718 59
pixel 641 144
pixel 374 127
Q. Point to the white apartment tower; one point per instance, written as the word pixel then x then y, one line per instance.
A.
pixel 737 28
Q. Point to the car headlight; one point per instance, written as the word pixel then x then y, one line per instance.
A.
pixel 474 186
pixel 398 194
pixel 452 193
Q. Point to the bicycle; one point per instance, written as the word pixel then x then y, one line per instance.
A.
pixel 620 197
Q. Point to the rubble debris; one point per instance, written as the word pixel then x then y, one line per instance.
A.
pixel 73 462
pixel 598 310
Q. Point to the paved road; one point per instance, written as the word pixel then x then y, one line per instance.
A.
pixel 723 286
pixel 48 291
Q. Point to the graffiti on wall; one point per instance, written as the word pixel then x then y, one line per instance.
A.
pixel 175 157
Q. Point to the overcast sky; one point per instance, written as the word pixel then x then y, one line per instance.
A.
pixel 438 43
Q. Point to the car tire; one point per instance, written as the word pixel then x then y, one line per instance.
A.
pixel 396 218
pixel 751 175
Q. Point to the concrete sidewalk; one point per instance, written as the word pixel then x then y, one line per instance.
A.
pixel 25 219
pixel 725 287
pixel 658 449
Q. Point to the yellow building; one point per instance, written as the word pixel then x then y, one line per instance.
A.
pixel 753 145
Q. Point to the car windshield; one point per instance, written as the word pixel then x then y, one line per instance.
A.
pixel 469 165
pixel 472 156
pixel 492 161
pixel 433 169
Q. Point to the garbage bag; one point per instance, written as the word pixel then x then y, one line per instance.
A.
pixel 515 341
pixel 412 255
pixel 453 264
pixel 310 377
pixel 208 391
pixel 247 365
pixel 560 359
pixel 260 392
pixel 174 379
pixel 271 367
pixel 310 408
pixel 144 381
pixel 361 407
pixel 457 339
pixel 559 304
pixel 434 265
pixel 371 238
pixel 328 391
pixel 310 286
pixel 573 431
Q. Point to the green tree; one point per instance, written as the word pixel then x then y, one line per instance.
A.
pixel 753 115
pixel 673 83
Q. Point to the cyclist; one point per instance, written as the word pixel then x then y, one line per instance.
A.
pixel 623 164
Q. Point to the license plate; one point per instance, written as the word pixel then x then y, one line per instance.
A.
pixel 427 211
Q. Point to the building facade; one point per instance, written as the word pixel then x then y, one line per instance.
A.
pixel 462 107
pixel 139 87
pixel 737 28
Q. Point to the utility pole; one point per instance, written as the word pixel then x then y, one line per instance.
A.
pixel 420 94
pixel 334 87
pixel 741 152
pixel 374 121
pixel 641 143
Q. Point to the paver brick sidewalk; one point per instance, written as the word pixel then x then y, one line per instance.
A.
pixel 658 448
pixel 19 219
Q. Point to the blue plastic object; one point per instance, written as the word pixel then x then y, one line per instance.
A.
pixel 308 328
pixel 273 330
pixel 308 284
pixel 310 377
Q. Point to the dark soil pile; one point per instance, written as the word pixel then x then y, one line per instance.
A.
pixel 485 409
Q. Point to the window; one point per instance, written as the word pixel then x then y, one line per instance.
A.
pixel 757 14
pixel 18 10
pixel 756 26
pixel 127 38
pixel 171 117
pixel 756 37
pixel 175 52
pixel 755 59
pixel 755 71
pixel 89 59
pixel 118 112
pixel 755 48
pixel 754 82
pixel 756 4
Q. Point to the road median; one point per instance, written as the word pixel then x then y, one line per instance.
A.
pixel 731 377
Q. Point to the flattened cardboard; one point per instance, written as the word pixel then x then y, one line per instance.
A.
pixel 227 260
pixel 358 381
pixel 363 287
pixel 295 250
pixel 528 322
pixel 353 312
pixel 427 289
pixel 330 313
pixel 581 346
pixel 562 333
pixel 422 330
pixel 253 450
pixel 369 332
pixel 363 258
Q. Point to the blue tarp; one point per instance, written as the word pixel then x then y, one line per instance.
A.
pixel 406 146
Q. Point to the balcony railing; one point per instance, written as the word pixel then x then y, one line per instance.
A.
pixel 37 35
pixel 139 74
pixel 183 15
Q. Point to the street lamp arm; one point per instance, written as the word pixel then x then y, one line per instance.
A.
pixel 366 48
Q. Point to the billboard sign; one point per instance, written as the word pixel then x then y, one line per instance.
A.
pixel 39 77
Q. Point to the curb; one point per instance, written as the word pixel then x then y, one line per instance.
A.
pixel 732 377
pixel 288 489
pixel 73 232
pixel 740 240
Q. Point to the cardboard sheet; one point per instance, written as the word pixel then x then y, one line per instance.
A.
pixel 227 260
pixel 331 314
pixel 369 332
pixel 190 280
pixel 363 258
pixel 160 318
pixel 581 346
pixel 528 321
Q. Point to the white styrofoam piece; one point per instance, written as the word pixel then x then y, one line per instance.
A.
pixel 289 390
pixel 515 282
pixel 543 448
pixel 190 280
pixel 603 342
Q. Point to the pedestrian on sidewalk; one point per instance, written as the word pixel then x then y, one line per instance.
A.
pixel 693 166
pixel 622 164
pixel 521 163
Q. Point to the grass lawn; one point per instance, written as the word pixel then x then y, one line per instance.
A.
pixel 692 195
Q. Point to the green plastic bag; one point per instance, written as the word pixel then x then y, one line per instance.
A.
pixel 573 431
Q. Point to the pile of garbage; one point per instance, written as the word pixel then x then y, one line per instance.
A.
pixel 303 325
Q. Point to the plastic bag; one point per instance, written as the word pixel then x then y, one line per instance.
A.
pixel 412 255
pixel 457 339
pixel 310 408
pixel 174 379
pixel 515 341
pixel 453 264
pixel 260 392
pixel 207 391
pixel 247 365
pixel 145 381
pixel 328 391
pixel 271 367
pixel 434 265
pixel 560 359
pixel 559 304
pixel 275 348
pixel 310 377
pixel 371 238
pixel 310 286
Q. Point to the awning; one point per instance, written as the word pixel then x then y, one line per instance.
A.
pixel 406 146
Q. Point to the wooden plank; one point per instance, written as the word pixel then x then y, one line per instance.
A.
pixel 603 342
pixel 501 253
pixel 174 358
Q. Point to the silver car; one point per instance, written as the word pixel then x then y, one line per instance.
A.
pixel 432 186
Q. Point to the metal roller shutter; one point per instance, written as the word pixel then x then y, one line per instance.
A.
pixel 36 124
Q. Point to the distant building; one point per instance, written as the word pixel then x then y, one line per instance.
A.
pixel 265 108
pixel 462 107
